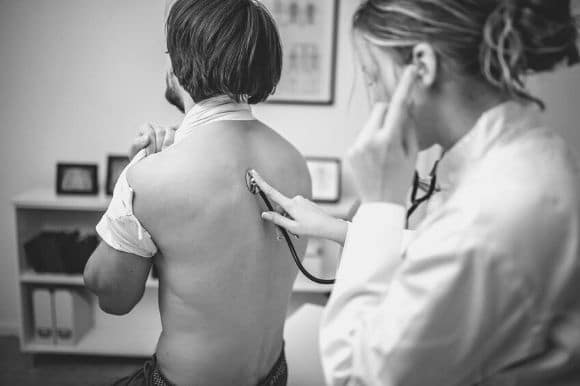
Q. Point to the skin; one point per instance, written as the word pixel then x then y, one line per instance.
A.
pixel 225 280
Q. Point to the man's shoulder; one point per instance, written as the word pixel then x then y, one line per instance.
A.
pixel 150 175
pixel 159 185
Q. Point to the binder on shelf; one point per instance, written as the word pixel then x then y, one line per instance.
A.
pixel 73 314
pixel 43 316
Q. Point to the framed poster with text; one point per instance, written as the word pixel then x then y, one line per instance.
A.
pixel 308 30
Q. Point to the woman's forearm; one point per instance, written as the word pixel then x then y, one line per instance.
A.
pixel 337 231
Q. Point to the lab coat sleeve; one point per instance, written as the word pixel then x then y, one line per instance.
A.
pixel 371 253
pixel 426 319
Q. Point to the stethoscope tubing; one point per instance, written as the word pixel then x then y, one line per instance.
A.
pixel 292 249
pixel 254 189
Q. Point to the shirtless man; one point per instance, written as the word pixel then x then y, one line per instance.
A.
pixel 224 278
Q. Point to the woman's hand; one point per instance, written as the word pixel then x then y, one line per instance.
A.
pixel 384 155
pixel 153 137
pixel 306 218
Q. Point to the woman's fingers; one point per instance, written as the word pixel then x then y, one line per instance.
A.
pixel 383 163
pixel 394 122
pixel 405 86
pixel 272 193
pixel 375 122
pixel 278 219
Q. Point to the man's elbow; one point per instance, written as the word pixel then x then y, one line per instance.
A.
pixel 114 302
pixel 115 307
pixel 111 300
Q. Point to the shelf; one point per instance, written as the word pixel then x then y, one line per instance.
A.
pixel 48 199
pixel 131 335
pixel 302 284
pixel 64 279
pixel 132 342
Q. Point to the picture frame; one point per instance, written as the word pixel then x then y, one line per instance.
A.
pixel 77 179
pixel 115 165
pixel 308 31
pixel 326 175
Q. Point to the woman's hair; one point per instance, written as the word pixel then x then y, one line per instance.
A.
pixel 229 47
pixel 500 41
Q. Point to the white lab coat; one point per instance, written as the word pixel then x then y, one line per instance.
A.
pixel 488 289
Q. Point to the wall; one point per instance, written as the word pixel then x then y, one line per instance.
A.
pixel 78 77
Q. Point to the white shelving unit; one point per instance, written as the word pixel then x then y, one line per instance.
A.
pixel 135 334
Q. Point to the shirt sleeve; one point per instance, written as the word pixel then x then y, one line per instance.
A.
pixel 119 227
pixel 425 317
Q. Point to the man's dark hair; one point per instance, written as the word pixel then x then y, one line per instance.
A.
pixel 229 47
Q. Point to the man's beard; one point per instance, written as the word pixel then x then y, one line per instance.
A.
pixel 172 96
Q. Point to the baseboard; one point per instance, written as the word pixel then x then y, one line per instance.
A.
pixel 8 329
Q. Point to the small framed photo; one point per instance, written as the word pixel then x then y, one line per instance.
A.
pixel 77 179
pixel 326 178
pixel 115 165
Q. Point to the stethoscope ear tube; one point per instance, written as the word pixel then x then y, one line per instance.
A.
pixel 254 189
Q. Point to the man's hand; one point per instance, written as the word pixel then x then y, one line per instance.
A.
pixel 153 137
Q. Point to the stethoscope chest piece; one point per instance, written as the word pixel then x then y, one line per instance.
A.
pixel 255 190
pixel 251 183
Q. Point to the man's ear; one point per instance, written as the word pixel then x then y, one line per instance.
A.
pixel 425 58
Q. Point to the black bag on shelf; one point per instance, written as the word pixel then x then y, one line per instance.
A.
pixel 77 256
pixel 59 252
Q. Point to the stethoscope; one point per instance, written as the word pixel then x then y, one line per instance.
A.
pixel 418 184
pixel 428 187
pixel 255 189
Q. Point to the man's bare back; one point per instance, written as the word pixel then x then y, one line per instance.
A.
pixel 225 279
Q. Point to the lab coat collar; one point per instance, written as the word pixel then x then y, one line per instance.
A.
pixel 475 144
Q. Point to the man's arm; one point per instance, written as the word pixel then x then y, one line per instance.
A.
pixel 117 278
pixel 117 275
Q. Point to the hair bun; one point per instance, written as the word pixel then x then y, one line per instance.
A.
pixel 549 33
pixel 551 9
pixel 527 36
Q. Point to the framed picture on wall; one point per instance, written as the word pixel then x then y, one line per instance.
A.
pixel 308 29
pixel 77 179
pixel 326 178
pixel 115 165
